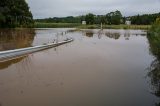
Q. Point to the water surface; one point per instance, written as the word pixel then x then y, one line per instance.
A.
pixel 99 68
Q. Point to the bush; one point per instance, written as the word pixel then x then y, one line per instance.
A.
pixel 154 38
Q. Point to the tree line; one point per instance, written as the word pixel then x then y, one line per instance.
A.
pixel 145 19
pixel 69 19
pixel 112 18
pixel 15 13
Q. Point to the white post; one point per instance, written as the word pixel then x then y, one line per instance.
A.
pixel 101 26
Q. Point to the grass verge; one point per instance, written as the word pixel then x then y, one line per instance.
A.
pixel 95 26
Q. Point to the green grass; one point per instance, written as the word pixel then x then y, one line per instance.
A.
pixel 145 27
pixel 95 26
pixel 154 39
pixel 56 25
pixel 126 26
pixel 88 27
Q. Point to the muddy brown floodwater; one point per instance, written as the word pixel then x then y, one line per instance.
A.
pixel 100 68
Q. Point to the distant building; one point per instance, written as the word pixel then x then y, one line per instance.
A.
pixel 83 22
pixel 128 22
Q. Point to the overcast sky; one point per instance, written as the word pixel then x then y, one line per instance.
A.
pixel 62 8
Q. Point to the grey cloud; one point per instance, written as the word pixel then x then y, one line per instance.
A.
pixel 60 8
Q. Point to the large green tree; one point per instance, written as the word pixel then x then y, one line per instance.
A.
pixel 15 13
pixel 114 17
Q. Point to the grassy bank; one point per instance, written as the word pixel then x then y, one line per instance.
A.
pixel 154 41
pixel 154 38
pixel 126 26
pixel 56 25
pixel 145 27
pixel 80 26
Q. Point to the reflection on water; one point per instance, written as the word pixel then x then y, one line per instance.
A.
pixel 112 34
pixel 16 38
pixel 154 75
pixel 6 64
pixel 89 33
pixel 100 68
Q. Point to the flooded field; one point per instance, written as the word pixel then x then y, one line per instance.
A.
pixel 99 68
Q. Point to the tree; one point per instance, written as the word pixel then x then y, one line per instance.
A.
pixel 103 19
pixel 15 13
pixel 145 19
pixel 90 19
pixel 114 17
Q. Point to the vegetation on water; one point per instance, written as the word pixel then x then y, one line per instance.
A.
pixel 15 13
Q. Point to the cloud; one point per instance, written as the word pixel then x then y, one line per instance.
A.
pixel 61 8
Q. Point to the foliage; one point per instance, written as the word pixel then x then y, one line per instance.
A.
pixel 15 13
pixel 154 41
pixel 110 18
pixel 100 19
pixel 114 18
pixel 69 19
pixel 90 18
pixel 154 38
pixel 146 19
